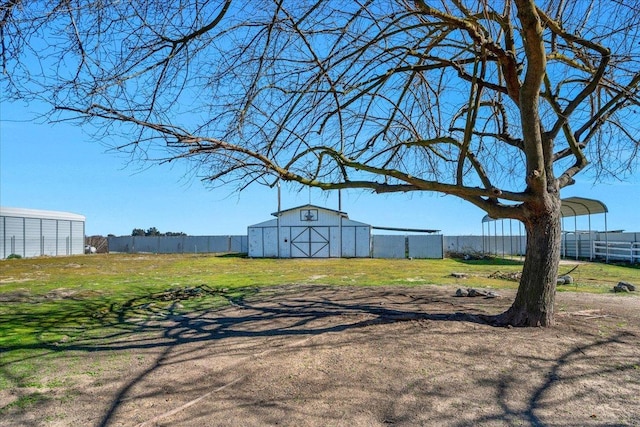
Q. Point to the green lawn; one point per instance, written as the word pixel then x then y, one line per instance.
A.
pixel 49 305
pixel 46 297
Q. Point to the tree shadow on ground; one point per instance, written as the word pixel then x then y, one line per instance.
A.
pixel 565 371
pixel 254 326
pixel 139 315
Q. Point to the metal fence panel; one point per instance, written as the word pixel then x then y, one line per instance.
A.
pixel 219 244
pixel 389 246
pixel 463 244
pixel 178 244
pixel 488 245
pixel 77 238
pixel 239 244
pixel 427 246
pixel 171 244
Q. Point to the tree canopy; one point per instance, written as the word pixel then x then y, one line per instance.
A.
pixel 153 231
pixel 501 103
pixel 390 96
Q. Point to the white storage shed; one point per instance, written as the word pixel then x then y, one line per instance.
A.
pixel 30 232
pixel 310 231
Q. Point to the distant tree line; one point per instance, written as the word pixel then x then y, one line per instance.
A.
pixel 155 232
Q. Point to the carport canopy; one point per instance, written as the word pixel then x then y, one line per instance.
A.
pixel 574 206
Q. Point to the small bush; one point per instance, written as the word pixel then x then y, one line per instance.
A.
pixel 14 256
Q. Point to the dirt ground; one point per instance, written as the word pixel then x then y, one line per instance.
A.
pixel 310 355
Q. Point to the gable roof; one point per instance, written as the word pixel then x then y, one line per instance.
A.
pixel 309 206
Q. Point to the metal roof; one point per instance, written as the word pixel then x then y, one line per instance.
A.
pixel 574 206
pixel 36 213
pixel 309 206
pixel 408 230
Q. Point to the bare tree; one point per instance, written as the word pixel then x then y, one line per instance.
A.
pixel 500 103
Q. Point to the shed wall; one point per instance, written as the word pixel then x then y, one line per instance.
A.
pixel 309 232
pixel 263 242
pixel 49 240
pixel 350 241
pixel 324 218
pixel 14 236
pixel 31 236
pixel 363 242
pixel 348 249
pixel 304 241
pixel 64 235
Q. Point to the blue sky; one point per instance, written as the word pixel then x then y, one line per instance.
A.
pixel 58 167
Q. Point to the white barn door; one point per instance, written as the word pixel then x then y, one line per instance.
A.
pixel 310 242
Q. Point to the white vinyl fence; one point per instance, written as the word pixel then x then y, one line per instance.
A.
pixel 626 251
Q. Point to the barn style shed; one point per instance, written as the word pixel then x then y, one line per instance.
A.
pixel 310 231
pixel 31 232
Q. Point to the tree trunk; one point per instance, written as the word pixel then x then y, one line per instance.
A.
pixel 534 301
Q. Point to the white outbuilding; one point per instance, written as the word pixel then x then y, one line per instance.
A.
pixel 309 231
pixel 31 232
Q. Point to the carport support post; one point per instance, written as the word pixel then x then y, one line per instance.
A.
pixel 495 236
pixel 563 242
pixel 520 240
pixel 576 237
pixel 606 237
pixel 510 238
pixel 502 237
pixel 590 240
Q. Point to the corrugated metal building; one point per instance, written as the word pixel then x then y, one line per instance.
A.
pixel 30 232
pixel 309 231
